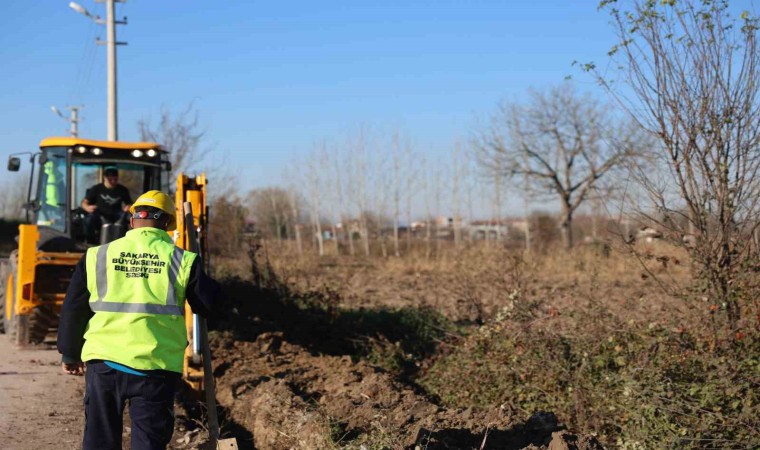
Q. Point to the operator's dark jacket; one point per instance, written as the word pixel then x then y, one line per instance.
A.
pixel 203 294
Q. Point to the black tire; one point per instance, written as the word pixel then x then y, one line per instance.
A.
pixel 3 283
pixel 39 323
pixel 21 330
pixel 8 317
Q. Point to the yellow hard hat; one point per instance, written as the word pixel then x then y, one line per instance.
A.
pixel 159 200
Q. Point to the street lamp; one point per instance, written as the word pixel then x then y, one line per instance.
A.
pixel 111 43
pixel 81 10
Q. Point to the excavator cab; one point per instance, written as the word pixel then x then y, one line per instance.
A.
pixel 55 237
pixel 66 168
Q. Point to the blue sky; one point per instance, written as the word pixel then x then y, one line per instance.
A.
pixel 271 78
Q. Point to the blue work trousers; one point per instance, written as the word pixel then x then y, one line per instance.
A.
pixel 151 408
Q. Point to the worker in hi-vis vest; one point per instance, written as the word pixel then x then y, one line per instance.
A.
pixel 123 316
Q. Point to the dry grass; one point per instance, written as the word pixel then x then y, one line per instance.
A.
pixel 478 279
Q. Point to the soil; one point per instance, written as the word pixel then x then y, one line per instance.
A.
pixel 288 378
pixel 285 380
pixel 41 406
pixel 274 395
pixel 285 397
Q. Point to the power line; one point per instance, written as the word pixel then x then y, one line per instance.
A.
pixel 84 69
pixel 111 44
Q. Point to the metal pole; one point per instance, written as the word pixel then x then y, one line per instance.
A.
pixel 197 350
pixel 113 132
pixel 202 336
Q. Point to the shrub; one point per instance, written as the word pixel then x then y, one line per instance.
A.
pixel 637 386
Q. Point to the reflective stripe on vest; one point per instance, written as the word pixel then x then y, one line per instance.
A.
pixel 101 279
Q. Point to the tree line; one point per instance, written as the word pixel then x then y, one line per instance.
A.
pixel 677 147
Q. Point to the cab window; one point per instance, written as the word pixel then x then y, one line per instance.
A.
pixel 52 191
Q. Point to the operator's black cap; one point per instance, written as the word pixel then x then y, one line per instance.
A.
pixel 110 171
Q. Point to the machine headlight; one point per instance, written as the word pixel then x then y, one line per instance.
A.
pixel 81 149
pixel 151 153
pixel 137 153
pixel 96 151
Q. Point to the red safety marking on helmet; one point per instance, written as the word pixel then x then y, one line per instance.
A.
pixel 141 215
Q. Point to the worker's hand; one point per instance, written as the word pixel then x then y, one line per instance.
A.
pixel 76 368
pixel 126 208
pixel 89 208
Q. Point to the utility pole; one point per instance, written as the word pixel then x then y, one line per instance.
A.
pixel 110 43
pixel 74 120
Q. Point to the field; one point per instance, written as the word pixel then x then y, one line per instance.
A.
pixel 481 347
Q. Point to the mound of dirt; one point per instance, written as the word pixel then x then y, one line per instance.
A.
pixel 286 397
pixel 562 440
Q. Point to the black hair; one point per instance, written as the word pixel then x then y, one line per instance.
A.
pixel 111 171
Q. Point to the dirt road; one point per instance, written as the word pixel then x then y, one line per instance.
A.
pixel 40 406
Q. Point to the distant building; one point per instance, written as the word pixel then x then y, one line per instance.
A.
pixel 488 230
pixel 648 234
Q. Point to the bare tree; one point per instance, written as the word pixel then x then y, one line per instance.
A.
pixel 295 217
pixel 180 134
pixel 411 185
pixel 272 209
pixel 295 204
pixel 358 182
pixel 469 187
pixel 439 189
pixel 526 213
pixel 495 177
pixel 382 191
pixel 315 183
pixel 333 192
pixel 226 225
pixel 693 72
pixel 397 188
pixel 339 165
pixel 14 197
pixel 562 143
pixel 458 175
pixel 425 182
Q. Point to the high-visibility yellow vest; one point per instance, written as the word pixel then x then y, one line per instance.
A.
pixel 52 192
pixel 137 292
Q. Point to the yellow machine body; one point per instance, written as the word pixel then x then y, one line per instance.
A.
pixel 36 276
pixel 193 190
pixel 29 258
pixel 36 280
pixel 67 141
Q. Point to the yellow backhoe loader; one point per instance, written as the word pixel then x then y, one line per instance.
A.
pixel 34 279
